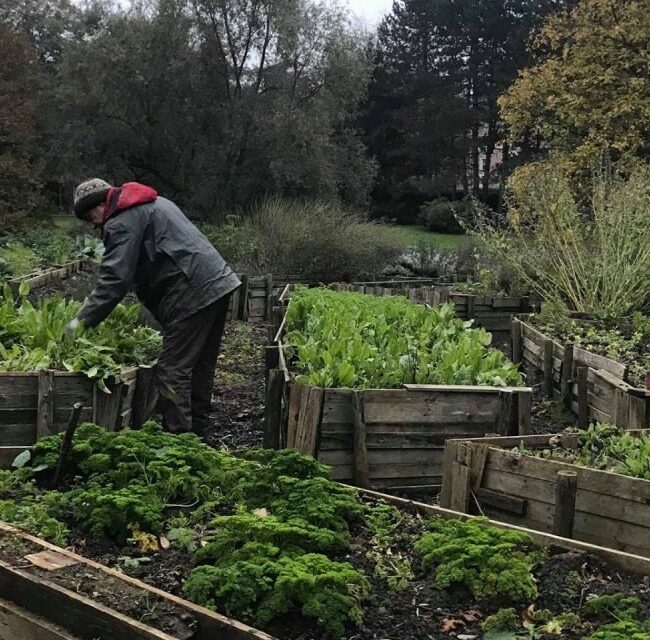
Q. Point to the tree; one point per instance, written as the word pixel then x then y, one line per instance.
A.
pixel 19 177
pixel 588 93
pixel 441 66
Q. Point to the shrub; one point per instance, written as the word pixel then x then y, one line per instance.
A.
pixel 502 620
pixel 53 246
pixel 320 241
pixel 441 215
pixel 489 561
pixel 593 259
pixel 237 243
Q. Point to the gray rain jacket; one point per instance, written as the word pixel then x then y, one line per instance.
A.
pixel 150 246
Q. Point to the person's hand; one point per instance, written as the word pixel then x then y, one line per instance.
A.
pixel 72 326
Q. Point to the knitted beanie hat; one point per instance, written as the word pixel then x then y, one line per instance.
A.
pixel 89 194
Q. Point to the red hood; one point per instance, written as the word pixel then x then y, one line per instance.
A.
pixel 128 195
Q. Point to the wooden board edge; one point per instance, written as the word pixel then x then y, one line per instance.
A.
pixel 629 562
pixel 242 629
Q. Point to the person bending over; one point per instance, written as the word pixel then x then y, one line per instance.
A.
pixel 151 247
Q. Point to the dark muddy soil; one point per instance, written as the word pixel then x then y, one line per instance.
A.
pixel 75 287
pixel 419 611
pixel 237 420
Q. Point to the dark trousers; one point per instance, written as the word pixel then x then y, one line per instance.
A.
pixel 184 374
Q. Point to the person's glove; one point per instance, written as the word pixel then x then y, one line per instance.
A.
pixel 72 326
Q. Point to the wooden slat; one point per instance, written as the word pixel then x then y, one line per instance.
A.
pixel 309 418
pixel 89 617
pixel 635 564
pixel 18 624
pixel 396 406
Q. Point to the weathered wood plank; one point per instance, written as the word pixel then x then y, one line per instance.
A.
pixel 360 448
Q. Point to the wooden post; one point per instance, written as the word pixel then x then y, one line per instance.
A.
pixel 361 466
pixel 45 413
pixel 567 375
pixel 517 350
pixel 547 385
pixel 505 419
pixel 621 408
pixel 471 308
pixel 242 312
pixel 271 358
pixel 565 503
pixel 459 487
pixel 270 298
pixel 525 411
pixel 583 397
pixel 66 445
pixel 143 398
pixel 273 409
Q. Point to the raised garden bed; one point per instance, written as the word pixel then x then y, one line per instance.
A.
pixel 384 438
pixel 497 476
pixel 44 373
pixel 387 560
pixel 493 313
pixel 37 404
pixel 51 593
pixel 51 274
pixel 593 387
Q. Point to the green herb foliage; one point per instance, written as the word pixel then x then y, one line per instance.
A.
pixel 260 583
pixel 624 630
pixel 502 620
pixel 32 338
pixel 625 340
pixel 359 341
pixel 605 447
pixel 490 562
pixel 260 527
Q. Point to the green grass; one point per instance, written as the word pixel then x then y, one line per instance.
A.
pixel 415 235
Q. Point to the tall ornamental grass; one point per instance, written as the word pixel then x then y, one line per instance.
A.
pixel 592 257
pixel 319 240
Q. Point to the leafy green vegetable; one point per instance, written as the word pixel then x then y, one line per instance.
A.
pixel 359 341
pixel 32 338
pixel 606 447
pixel 489 561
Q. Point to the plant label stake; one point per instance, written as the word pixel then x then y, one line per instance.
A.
pixel 73 423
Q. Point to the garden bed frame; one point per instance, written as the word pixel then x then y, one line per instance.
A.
pixel 38 404
pixel 50 274
pixel 33 606
pixel 593 387
pixel 598 507
pixel 384 438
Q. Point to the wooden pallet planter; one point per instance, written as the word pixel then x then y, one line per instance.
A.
pixel 598 507
pixel 37 404
pixel 37 600
pixel 51 274
pixel 384 438
pixel 593 387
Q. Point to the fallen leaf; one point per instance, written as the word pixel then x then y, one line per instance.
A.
pixel 528 617
pixel 164 543
pixel 451 624
pixel 473 615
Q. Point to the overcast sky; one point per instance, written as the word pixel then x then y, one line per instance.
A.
pixel 370 11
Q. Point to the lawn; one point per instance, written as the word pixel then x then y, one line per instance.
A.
pixel 415 235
